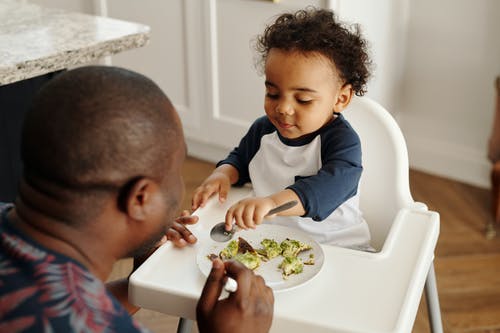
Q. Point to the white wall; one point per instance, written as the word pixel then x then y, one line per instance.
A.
pixel 447 92
pixel 436 64
pixel 384 24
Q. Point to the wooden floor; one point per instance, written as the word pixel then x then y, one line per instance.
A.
pixel 467 264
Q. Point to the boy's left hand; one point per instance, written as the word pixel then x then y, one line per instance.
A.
pixel 249 212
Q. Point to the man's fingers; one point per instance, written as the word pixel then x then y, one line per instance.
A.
pixel 260 284
pixel 180 235
pixel 243 277
pixel 263 299
pixel 185 232
pixel 175 237
pixel 162 241
pixel 187 219
pixel 213 287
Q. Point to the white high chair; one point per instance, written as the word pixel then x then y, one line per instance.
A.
pixel 405 259
pixel 384 186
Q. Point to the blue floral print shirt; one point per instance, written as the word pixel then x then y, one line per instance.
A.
pixel 43 291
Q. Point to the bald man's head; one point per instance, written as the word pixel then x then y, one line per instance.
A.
pixel 96 128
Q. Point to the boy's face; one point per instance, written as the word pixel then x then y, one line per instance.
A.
pixel 302 92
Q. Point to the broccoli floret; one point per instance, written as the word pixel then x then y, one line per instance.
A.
pixel 230 250
pixel 240 250
pixel 291 265
pixel 292 247
pixel 271 248
pixel 249 259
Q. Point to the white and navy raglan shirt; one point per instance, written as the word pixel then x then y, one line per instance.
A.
pixel 322 168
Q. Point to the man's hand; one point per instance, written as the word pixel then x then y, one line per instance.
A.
pixel 178 233
pixel 249 309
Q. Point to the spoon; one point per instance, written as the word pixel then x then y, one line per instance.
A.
pixel 220 234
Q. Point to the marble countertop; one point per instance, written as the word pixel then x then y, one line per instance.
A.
pixel 35 40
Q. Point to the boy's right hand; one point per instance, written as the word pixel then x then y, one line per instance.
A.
pixel 217 182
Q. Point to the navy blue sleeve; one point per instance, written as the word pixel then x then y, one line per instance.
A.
pixel 338 178
pixel 241 156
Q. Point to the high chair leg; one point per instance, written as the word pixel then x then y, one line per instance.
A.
pixel 432 297
pixel 185 325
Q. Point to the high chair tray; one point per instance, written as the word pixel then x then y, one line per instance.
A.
pixel 354 291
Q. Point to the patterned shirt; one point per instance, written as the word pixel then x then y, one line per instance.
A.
pixel 44 291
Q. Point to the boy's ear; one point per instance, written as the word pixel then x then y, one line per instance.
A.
pixel 343 98
pixel 137 198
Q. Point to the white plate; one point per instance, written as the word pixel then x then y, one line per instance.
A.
pixel 269 270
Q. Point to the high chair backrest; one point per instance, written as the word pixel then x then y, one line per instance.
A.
pixel 384 187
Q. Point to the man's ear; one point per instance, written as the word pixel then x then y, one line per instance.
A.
pixel 136 199
pixel 343 98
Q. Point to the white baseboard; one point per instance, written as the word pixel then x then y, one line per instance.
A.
pixel 448 160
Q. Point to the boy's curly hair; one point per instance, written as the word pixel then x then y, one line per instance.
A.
pixel 318 30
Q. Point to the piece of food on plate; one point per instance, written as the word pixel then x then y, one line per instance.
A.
pixel 250 259
pixel 310 261
pixel 244 246
pixel 229 251
pixel 291 265
pixel 240 250
pixel 292 247
pixel 212 256
pixel 271 248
